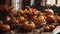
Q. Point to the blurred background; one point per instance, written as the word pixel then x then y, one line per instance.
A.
pixel 38 4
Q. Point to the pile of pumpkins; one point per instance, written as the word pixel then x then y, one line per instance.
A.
pixel 31 18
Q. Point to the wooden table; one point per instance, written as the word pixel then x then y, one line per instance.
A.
pixel 35 31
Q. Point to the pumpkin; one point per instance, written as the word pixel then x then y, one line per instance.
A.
pixel 51 19
pixel 28 25
pixel 47 12
pixel 41 20
pixel 57 18
pixel 38 20
pixel 21 19
pixel 46 28
pixel 5 27
pixel 52 27
pixel 14 21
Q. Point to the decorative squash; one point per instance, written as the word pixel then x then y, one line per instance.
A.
pixel 28 25
pixel 48 12
pixel 5 27
pixel 21 19
pixel 14 21
pixel 51 19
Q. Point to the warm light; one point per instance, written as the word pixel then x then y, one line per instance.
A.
pixel 16 4
pixel 50 2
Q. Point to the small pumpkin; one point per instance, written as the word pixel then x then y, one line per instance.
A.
pixel 47 12
pixel 28 25
pixel 46 28
pixel 41 20
pixel 52 27
pixel 14 21
pixel 21 19
pixel 6 27
pixel 51 19
pixel 57 18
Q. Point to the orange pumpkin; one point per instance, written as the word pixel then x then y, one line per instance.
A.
pixel 41 20
pixel 28 25
pixel 14 21
pixel 21 19
pixel 38 20
pixel 57 18
pixel 47 12
pixel 52 27
pixel 5 27
pixel 51 19
pixel 46 28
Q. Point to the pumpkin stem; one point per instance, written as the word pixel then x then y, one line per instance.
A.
pixel 28 8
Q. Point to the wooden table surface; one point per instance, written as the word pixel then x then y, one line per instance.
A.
pixel 36 31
